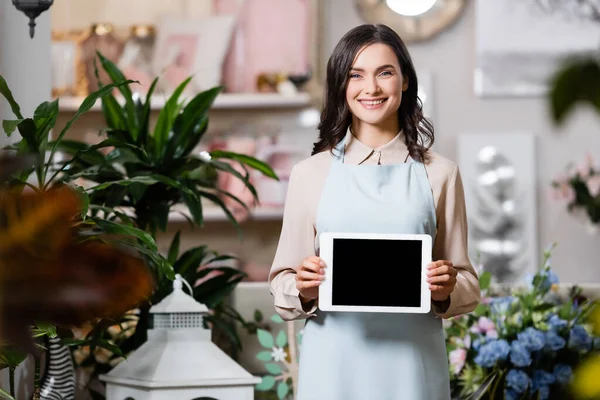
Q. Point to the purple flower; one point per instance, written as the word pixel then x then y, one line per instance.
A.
pixel 532 339
pixel 491 352
pixel 579 339
pixel 562 373
pixel 517 380
pixel 554 342
pixel 519 355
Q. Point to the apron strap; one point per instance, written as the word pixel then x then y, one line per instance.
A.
pixel 339 152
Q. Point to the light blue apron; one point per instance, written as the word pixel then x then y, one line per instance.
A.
pixel 374 356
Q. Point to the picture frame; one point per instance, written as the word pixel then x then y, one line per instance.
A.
pixel 68 68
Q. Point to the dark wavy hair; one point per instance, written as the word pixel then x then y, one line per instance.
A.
pixel 336 116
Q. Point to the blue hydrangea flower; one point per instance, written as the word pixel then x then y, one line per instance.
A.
pixel 519 355
pixel 554 342
pixel 510 394
pixel 557 323
pixel 544 392
pixel 532 339
pixel 541 378
pixel 562 373
pixel 491 352
pixel 476 344
pixel 517 380
pixel 579 339
pixel 501 305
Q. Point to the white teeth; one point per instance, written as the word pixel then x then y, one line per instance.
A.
pixel 371 103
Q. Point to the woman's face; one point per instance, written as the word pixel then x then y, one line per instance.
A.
pixel 375 86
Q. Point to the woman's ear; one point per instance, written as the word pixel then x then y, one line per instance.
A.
pixel 404 83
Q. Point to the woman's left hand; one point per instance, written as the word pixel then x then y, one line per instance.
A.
pixel 441 276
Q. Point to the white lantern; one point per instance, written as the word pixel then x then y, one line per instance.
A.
pixel 179 360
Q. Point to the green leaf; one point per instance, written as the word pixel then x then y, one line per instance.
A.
pixel 145 116
pixel 120 229
pixel 277 319
pixel 267 383
pixel 191 123
pixel 85 106
pixel 146 180
pixel 192 258
pixel 273 368
pixel 174 248
pixel 45 118
pixel 485 387
pixel 249 161
pixel 11 357
pixel 28 131
pixel 578 81
pixel 166 118
pixel 84 198
pixel 9 126
pixel 5 395
pixel 47 329
pixel 113 348
pixel 117 76
pixel 5 91
pixel 264 356
pixel 281 340
pixel 194 205
pixel 218 201
pixel 485 279
pixel 265 338
pixel 282 390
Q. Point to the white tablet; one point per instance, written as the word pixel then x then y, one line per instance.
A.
pixel 374 272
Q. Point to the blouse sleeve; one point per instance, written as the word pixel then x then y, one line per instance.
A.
pixel 295 243
pixel 451 244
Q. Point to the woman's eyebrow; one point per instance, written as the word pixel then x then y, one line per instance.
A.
pixel 386 66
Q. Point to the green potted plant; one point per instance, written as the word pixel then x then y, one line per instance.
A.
pixel 147 172
pixel 32 215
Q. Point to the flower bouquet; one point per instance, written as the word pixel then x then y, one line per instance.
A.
pixel 522 345
pixel 579 187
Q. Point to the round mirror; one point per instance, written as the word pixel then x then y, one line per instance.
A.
pixel 413 20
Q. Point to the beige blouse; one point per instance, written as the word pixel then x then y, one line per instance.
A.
pixel 298 238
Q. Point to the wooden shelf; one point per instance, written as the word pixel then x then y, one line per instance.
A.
pixel 213 213
pixel 223 101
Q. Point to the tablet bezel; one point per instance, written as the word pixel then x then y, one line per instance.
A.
pixel 326 254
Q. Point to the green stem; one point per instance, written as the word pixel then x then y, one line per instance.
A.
pixel 11 380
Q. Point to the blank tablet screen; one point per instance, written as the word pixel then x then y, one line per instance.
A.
pixel 376 272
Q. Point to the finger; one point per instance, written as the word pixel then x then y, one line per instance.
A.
pixel 304 285
pixel 445 279
pixel 439 263
pixel 310 276
pixel 441 289
pixel 316 260
pixel 443 270
pixel 310 266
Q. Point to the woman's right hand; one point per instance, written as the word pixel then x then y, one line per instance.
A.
pixel 309 276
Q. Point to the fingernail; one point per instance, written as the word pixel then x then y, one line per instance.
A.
pixel 322 271
pixel 322 263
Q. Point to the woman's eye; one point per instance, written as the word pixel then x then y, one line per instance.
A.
pixel 386 73
pixel 354 76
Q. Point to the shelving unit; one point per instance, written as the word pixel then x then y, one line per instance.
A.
pixel 223 101
pixel 215 214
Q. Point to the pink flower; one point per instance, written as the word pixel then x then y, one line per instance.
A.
pixel 593 185
pixel 457 359
pixel 492 334
pixel 486 300
pixel 564 192
pixel 584 168
pixel 485 324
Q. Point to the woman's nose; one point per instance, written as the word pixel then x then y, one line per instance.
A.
pixel 371 86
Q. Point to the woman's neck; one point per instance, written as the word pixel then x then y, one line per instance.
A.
pixel 374 136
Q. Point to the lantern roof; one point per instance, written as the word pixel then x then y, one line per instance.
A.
pixel 179 301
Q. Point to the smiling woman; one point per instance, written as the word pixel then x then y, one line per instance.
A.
pixel 372 172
